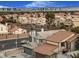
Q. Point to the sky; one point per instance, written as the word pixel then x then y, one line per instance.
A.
pixel 37 4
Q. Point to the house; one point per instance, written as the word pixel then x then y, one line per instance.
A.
pixel 10 32
pixel 36 39
pixel 66 20
pixel 3 29
pixel 11 42
pixel 12 38
pixel 1 18
pixel 57 44
pixel 15 16
pixel 19 31
pixel 7 16
pixel 22 19
pixel 60 15
pixel 60 18
pixel 15 30
pixel 41 21
pixel 75 22
pixel 30 18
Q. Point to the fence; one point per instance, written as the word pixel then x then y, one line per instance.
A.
pixel 12 36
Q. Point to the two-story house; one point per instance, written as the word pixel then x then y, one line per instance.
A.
pixel 36 39
pixel 14 29
pixel 57 44
pixel 3 29
pixel 11 38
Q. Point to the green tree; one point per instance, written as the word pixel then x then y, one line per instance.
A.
pixel 76 30
pixel 50 19
pixel 62 26
pixel 69 24
pixel 10 19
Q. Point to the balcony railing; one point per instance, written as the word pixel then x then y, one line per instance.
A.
pixel 12 36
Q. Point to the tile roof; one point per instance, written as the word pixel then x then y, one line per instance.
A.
pixel 60 14
pixel 12 28
pixel 1 18
pixel 73 38
pixel 45 34
pixel 46 49
pixel 59 36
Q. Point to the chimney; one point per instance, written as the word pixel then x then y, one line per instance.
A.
pixel 42 29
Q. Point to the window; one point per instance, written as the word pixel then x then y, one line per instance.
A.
pixel 30 39
pixel 62 44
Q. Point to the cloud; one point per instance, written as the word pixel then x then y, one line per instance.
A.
pixel 4 6
pixel 40 4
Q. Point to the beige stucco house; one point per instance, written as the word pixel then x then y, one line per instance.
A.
pixel 57 44
pixel 23 19
pixel 3 29
pixel 75 22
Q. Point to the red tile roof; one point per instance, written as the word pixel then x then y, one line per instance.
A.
pixel 59 36
pixel 73 38
pixel 1 18
pixel 46 49
pixel 60 14
pixel 12 28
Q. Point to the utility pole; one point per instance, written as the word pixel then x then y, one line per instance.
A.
pixel 3 46
pixel 17 42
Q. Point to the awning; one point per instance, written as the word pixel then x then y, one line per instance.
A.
pixel 46 49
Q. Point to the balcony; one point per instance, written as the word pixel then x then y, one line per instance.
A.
pixel 12 36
